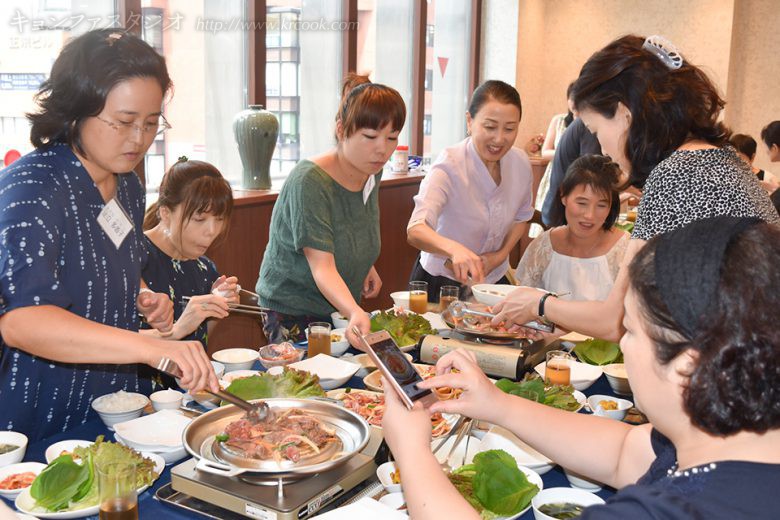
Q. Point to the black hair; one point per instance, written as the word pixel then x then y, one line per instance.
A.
pixel 569 115
pixel 83 74
pixel 771 134
pixel 668 106
pixel 601 174
pixel 744 144
pixel 735 383
pixel 496 90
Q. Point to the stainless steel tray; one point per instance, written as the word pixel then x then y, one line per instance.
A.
pixel 352 430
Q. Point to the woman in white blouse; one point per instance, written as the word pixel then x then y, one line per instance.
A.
pixel 583 256
pixel 474 204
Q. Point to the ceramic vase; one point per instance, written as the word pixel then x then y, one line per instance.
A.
pixel 256 130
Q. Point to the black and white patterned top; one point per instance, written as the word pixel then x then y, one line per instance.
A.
pixel 691 185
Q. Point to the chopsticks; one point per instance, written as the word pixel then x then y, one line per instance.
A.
pixel 254 310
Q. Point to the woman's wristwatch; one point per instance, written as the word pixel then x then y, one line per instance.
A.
pixel 543 299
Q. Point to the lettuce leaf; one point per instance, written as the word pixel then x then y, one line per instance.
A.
pixel 499 484
pixel 405 328
pixel 532 387
pixel 598 352
pixel 494 485
pixel 290 383
pixel 61 481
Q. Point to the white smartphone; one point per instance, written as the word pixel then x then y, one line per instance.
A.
pixel 396 369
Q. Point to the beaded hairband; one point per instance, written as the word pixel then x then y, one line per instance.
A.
pixel 664 50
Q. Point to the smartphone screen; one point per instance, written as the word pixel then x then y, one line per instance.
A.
pixel 400 368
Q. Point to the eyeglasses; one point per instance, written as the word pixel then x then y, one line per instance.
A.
pixel 124 128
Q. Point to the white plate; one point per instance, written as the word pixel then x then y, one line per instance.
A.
pixel 583 375
pixel 56 449
pixel 163 429
pixel 498 438
pixel 13 469
pixel 168 456
pixel 534 478
pixel 331 371
pixel 26 503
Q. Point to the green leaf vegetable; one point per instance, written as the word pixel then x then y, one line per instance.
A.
pixel 598 352
pixel 290 383
pixel 494 485
pixel 532 387
pixel 69 485
pixel 405 328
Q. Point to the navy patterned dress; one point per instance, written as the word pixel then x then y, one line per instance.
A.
pixel 54 252
pixel 179 278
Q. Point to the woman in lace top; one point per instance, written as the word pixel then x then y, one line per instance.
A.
pixel 583 256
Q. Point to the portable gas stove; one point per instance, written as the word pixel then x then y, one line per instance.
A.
pixel 266 499
pixel 497 357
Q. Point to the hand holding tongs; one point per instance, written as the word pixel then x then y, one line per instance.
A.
pixel 254 310
pixel 458 310
pixel 255 413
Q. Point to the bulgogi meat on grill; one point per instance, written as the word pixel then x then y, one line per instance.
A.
pixel 290 435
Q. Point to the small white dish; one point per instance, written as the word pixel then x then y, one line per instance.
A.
pixel 110 418
pixel 617 378
pixel 337 348
pixel 559 495
pixel 14 439
pixel 236 358
pixel 332 372
pixel 383 473
pixel 57 449
pixel 491 293
pixel 583 375
pixel 401 299
pixel 623 406
pixel 393 500
pixel 498 438
pixel 161 430
pixel 339 321
pixel 169 456
pixel 166 399
pixel 13 469
pixel 580 482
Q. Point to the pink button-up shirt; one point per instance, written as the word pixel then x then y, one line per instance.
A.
pixel 461 201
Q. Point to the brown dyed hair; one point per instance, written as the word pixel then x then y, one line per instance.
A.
pixel 369 105
pixel 200 187
pixel 668 106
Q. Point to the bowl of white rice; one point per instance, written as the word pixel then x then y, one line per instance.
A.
pixel 119 407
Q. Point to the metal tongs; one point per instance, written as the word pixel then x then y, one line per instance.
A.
pixel 255 413
pixel 460 312
pixel 254 310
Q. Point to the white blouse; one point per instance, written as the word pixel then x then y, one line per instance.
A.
pixel 585 278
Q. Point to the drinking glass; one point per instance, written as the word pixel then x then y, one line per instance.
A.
pixel 447 295
pixel 557 369
pixel 418 297
pixel 319 338
pixel 117 491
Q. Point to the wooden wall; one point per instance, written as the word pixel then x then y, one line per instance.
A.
pixel 242 252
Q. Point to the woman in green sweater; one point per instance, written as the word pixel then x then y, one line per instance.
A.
pixel 324 235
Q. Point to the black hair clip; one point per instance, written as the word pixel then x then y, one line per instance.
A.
pixel 182 158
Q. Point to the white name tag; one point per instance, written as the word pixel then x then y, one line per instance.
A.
pixel 115 223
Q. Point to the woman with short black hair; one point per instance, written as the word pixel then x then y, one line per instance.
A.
pixel 703 358
pixel 71 241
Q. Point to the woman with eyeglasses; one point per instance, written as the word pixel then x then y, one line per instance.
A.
pixel 71 242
